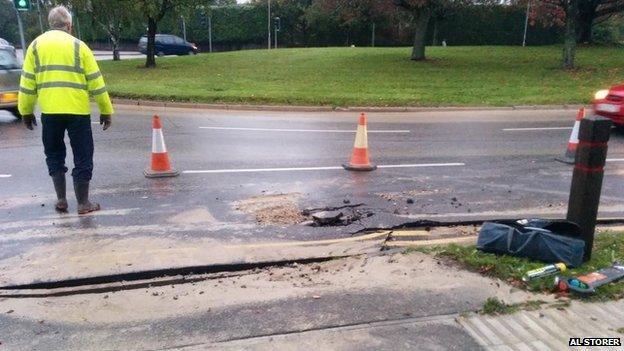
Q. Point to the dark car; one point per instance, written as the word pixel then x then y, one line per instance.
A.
pixel 168 44
pixel 10 72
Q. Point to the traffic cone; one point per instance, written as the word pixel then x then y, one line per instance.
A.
pixel 160 159
pixel 359 159
pixel 570 154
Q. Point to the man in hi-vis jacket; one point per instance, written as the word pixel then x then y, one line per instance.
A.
pixel 60 73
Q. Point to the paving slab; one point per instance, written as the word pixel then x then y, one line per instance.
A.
pixel 548 329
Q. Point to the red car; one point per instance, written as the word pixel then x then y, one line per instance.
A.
pixel 610 104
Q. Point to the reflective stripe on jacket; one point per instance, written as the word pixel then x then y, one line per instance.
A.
pixel 60 72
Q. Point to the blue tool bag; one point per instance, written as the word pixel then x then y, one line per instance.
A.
pixel 537 239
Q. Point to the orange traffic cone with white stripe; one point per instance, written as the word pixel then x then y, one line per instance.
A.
pixel 160 158
pixel 359 159
pixel 570 154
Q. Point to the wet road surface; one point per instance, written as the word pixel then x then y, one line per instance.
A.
pixel 245 176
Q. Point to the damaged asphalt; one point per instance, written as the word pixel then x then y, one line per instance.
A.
pixel 377 298
pixel 505 175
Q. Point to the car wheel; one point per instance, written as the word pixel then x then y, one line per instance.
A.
pixel 191 53
pixel 160 54
pixel 14 111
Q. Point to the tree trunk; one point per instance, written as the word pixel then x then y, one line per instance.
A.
pixel 114 36
pixel 435 33
pixel 116 56
pixel 569 45
pixel 150 62
pixel 421 20
pixel 585 24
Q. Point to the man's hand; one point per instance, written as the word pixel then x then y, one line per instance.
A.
pixel 105 121
pixel 29 121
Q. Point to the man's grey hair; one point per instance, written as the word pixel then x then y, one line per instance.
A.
pixel 60 18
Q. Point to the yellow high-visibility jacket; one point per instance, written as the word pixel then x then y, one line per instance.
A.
pixel 60 72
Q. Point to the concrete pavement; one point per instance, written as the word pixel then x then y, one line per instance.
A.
pixel 549 328
pixel 382 302
pixel 389 301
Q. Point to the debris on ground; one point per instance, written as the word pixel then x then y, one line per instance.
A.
pixel 545 271
pixel 411 194
pixel 327 217
pixel 344 217
pixel 311 210
pixel 586 284
pixel 280 209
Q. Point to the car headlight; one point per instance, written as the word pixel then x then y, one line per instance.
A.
pixel 601 94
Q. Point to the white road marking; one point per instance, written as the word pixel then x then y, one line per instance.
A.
pixel 615 160
pixel 256 170
pixel 424 165
pixel 304 130
pixel 5 176
pixel 536 128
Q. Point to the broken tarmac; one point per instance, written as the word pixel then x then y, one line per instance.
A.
pixel 390 301
pixel 414 296
pixel 256 190
pixel 240 203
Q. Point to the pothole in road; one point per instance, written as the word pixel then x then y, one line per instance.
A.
pixel 336 216
pixel 280 209
pixel 283 209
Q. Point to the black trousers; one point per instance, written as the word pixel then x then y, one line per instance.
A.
pixel 81 139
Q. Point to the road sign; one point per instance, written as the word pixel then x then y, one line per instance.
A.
pixel 22 5
pixel 203 20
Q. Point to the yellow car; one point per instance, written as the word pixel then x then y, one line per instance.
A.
pixel 10 72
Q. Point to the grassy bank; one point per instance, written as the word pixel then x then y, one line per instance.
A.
pixel 474 76
pixel 608 247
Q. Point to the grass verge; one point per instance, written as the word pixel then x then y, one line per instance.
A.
pixel 608 247
pixel 452 76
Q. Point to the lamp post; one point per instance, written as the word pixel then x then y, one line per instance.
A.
pixel 21 30
pixel 210 32
pixel 183 27
pixel 39 16
pixel 269 23
pixel 526 22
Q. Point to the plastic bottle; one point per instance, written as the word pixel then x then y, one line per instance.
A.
pixel 545 271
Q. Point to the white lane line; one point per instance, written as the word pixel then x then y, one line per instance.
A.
pixel 215 171
pixel 5 176
pixel 424 165
pixel 533 129
pixel 615 160
pixel 304 130
pixel 255 170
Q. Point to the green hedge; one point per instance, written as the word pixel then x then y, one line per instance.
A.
pixel 243 26
pixel 493 25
